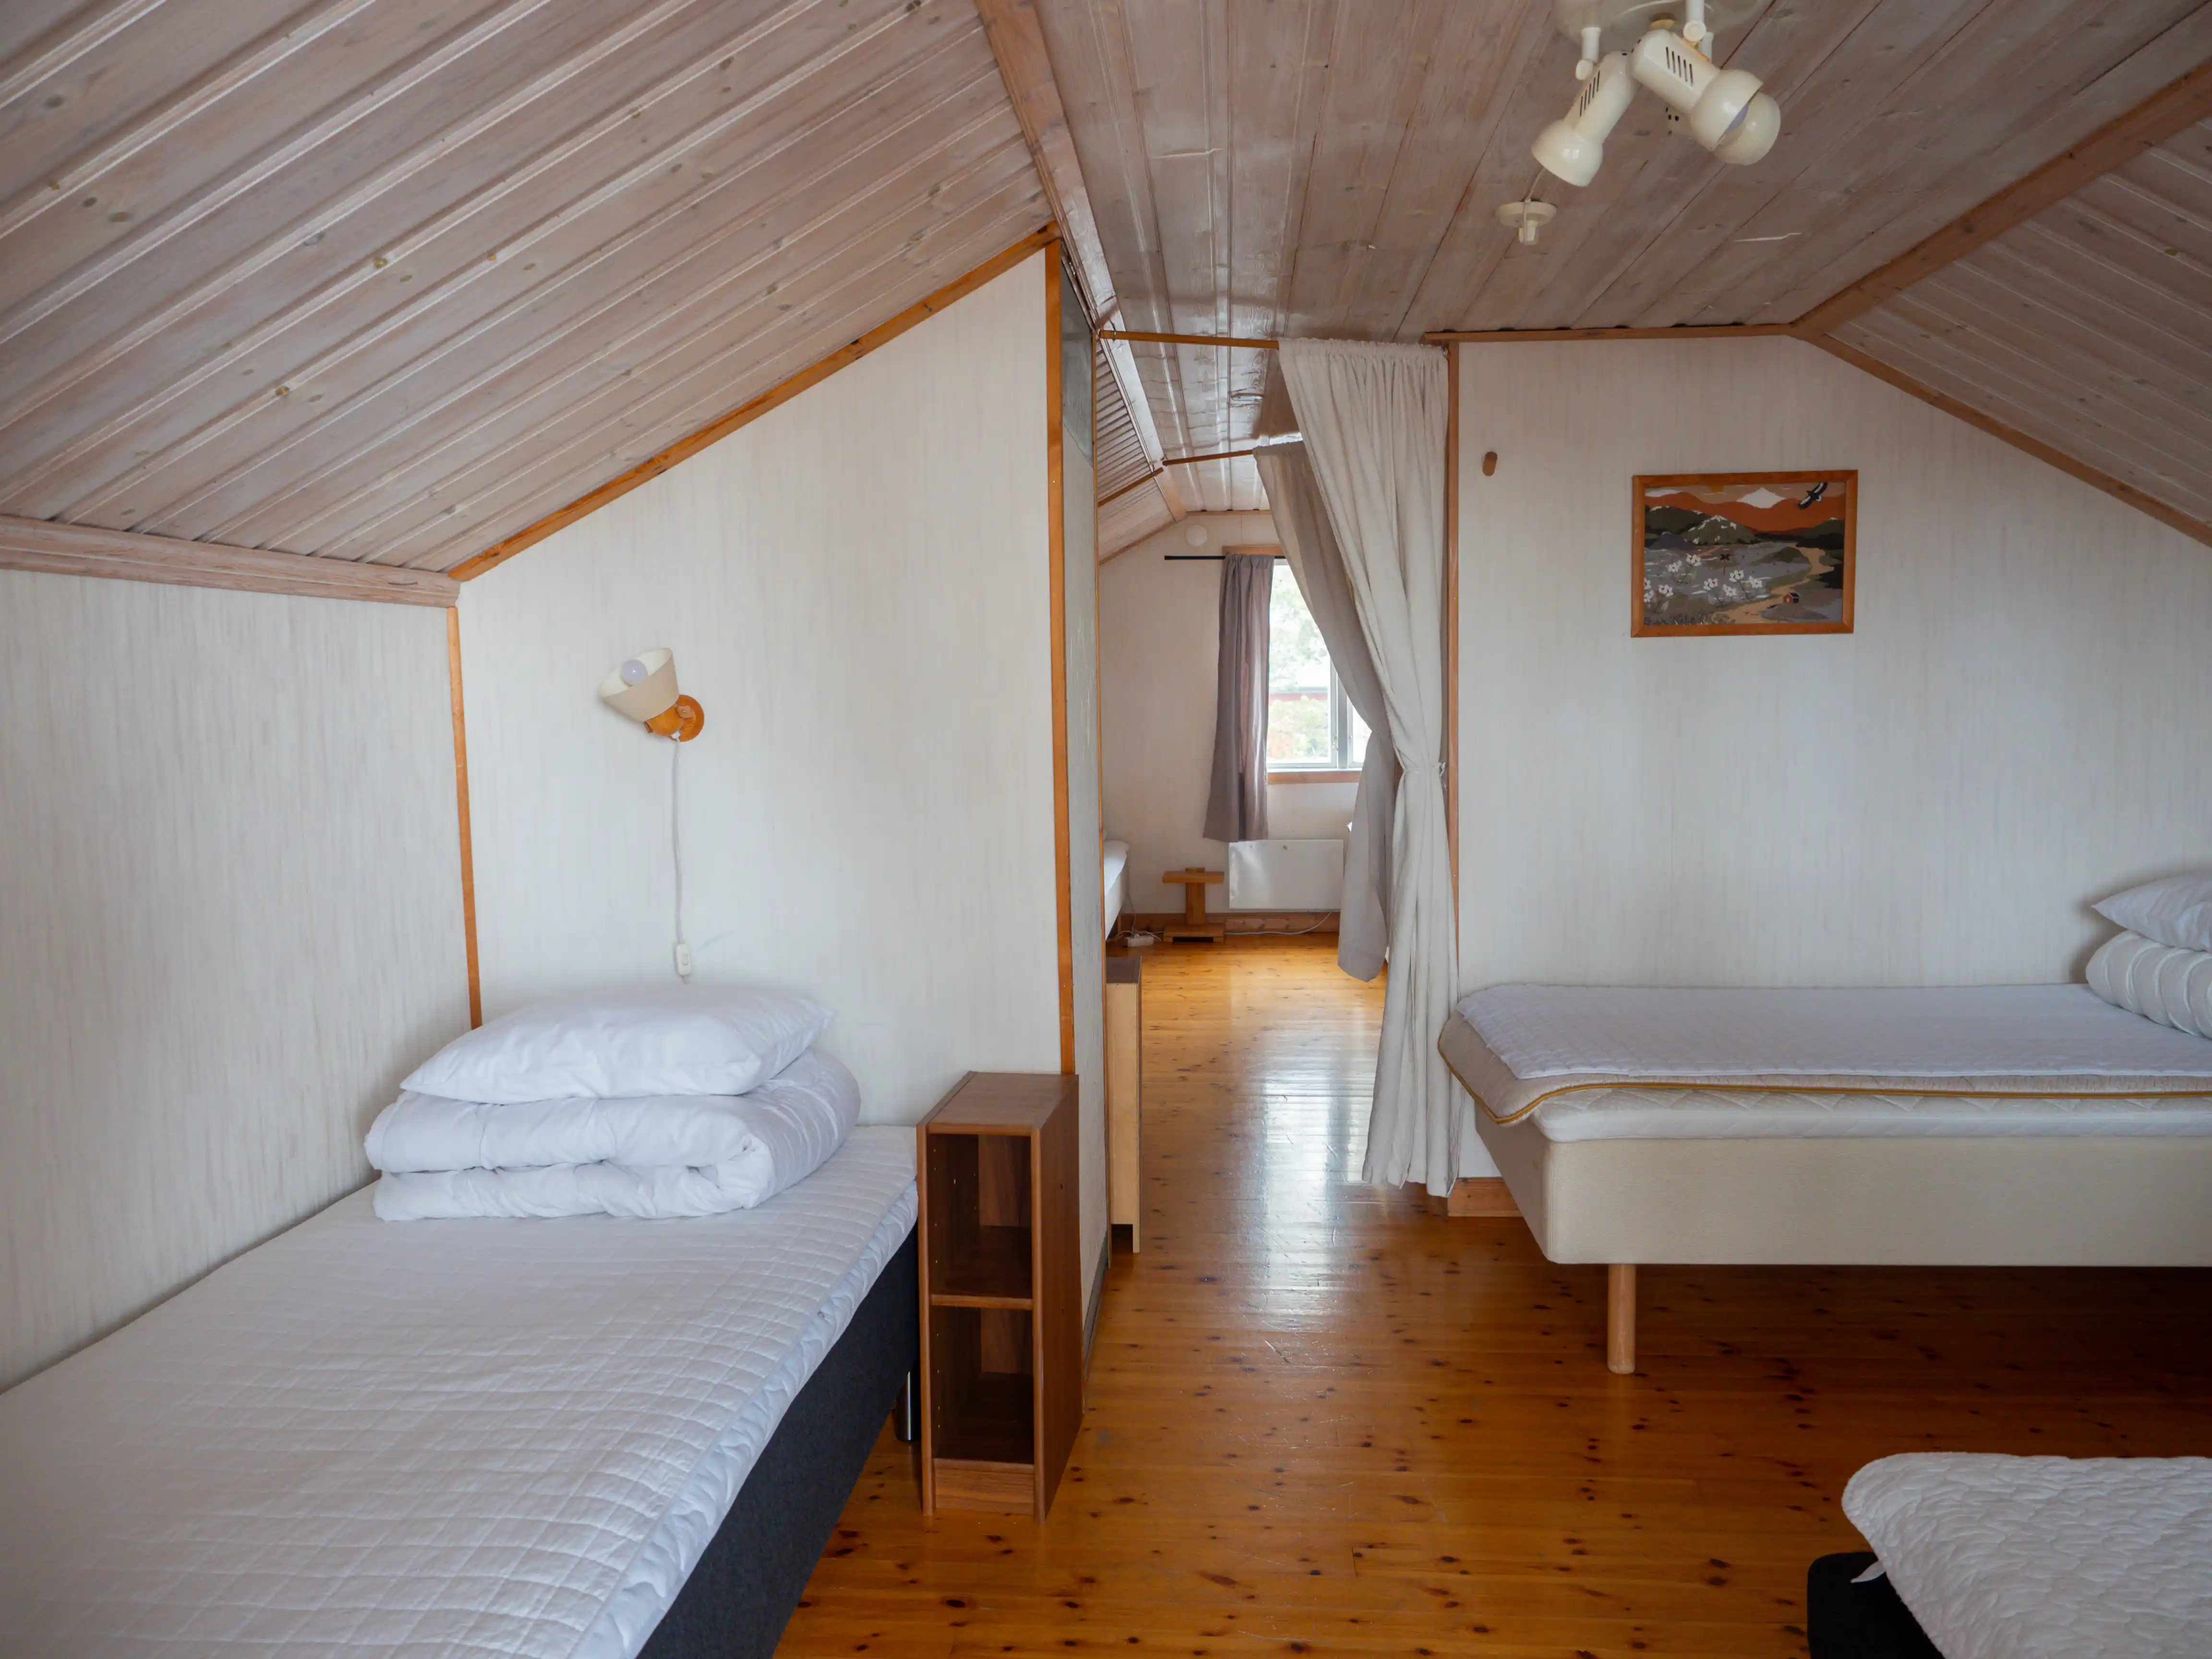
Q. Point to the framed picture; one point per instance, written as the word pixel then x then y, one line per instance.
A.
pixel 1744 553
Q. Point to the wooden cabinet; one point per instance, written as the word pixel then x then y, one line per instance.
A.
pixel 1002 1293
pixel 1125 1094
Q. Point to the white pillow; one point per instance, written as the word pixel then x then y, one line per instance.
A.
pixel 2173 987
pixel 2177 911
pixel 670 1040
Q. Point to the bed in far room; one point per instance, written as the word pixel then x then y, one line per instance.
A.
pixel 1115 859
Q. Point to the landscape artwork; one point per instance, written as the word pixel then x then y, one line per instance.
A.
pixel 1744 553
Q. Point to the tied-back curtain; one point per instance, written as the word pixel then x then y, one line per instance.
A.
pixel 1373 420
pixel 1236 804
pixel 1301 525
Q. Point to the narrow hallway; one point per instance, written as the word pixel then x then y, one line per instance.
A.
pixel 1320 1420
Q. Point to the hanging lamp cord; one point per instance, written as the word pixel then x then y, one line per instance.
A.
pixel 675 858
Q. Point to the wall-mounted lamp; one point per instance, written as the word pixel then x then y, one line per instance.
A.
pixel 644 687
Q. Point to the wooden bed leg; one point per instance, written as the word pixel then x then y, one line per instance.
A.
pixel 1620 1318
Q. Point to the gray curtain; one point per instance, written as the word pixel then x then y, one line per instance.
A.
pixel 1236 806
pixel 1301 525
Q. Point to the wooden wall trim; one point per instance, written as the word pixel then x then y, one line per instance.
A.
pixel 684 448
pixel 2179 107
pixel 1451 625
pixel 1149 337
pixel 1056 565
pixel 73 550
pixel 1688 332
pixel 461 794
pixel 2043 452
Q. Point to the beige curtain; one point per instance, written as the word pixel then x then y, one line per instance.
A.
pixel 1236 804
pixel 1363 940
pixel 1373 419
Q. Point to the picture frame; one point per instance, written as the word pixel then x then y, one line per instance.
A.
pixel 1737 553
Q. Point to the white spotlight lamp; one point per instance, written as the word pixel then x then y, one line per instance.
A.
pixel 1572 149
pixel 1725 109
pixel 644 689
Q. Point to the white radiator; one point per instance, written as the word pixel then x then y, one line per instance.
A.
pixel 1286 875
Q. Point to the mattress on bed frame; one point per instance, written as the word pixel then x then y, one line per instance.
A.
pixel 1751 1152
pixel 514 1437
pixel 2000 1556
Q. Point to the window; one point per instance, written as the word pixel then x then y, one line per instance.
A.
pixel 1311 725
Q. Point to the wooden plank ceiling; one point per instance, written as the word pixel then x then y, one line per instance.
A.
pixel 386 280
pixel 389 281
pixel 1272 168
pixel 2089 327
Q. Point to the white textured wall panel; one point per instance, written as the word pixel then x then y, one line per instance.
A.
pixel 1087 872
pixel 2016 728
pixel 229 922
pixel 856 587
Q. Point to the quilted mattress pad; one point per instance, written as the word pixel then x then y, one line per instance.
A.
pixel 2045 1558
pixel 495 1438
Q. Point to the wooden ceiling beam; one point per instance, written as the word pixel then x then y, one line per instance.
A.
pixel 2096 479
pixel 72 549
pixel 2150 123
pixel 1688 332
pixel 1147 336
pixel 1017 38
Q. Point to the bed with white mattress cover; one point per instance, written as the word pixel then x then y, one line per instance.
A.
pixel 2045 1558
pixel 495 1438
pixel 2004 1125
pixel 1115 862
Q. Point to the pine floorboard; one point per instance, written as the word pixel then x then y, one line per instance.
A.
pixel 1321 1420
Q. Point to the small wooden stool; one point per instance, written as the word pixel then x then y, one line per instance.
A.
pixel 1194 924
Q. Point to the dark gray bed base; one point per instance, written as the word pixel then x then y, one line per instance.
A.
pixel 741 1595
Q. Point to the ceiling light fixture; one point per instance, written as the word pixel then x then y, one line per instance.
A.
pixel 1725 110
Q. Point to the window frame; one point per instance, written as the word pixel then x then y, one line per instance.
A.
pixel 1338 767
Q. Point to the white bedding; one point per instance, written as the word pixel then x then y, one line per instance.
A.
pixel 658 1158
pixel 1116 867
pixel 2045 1558
pixel 453 1437
pixel 1958 1031
pixel 2159 982
pixel 1633 1114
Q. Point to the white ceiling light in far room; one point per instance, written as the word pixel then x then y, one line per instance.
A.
pixel 1725 110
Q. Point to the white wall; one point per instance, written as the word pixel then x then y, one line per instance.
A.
pixel 856 587
pixel 1086 873
pixel 2016 727
pixel 230 921
pixel 1159 627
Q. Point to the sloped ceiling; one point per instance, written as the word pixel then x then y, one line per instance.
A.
pixel 2089 327
pixel 391 281
pixel 387 280
pixel 1271 167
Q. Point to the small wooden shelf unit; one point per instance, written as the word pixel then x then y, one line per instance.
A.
pixel 1002 1293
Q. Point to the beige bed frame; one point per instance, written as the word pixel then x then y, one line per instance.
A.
pixel 1982 1200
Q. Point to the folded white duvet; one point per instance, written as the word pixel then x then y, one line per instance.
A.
pixel 658 1157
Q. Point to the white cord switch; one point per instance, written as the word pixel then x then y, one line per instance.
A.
pixel 682 960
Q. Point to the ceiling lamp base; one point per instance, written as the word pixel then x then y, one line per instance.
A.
pixel 1526 219
pixel 1621 23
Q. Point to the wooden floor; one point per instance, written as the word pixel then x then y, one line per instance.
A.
pixel 1322 1421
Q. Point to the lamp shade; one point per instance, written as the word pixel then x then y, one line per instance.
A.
pixel 641 694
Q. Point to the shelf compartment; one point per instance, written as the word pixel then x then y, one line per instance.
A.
pixel 981 1243
pixel 982 1402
